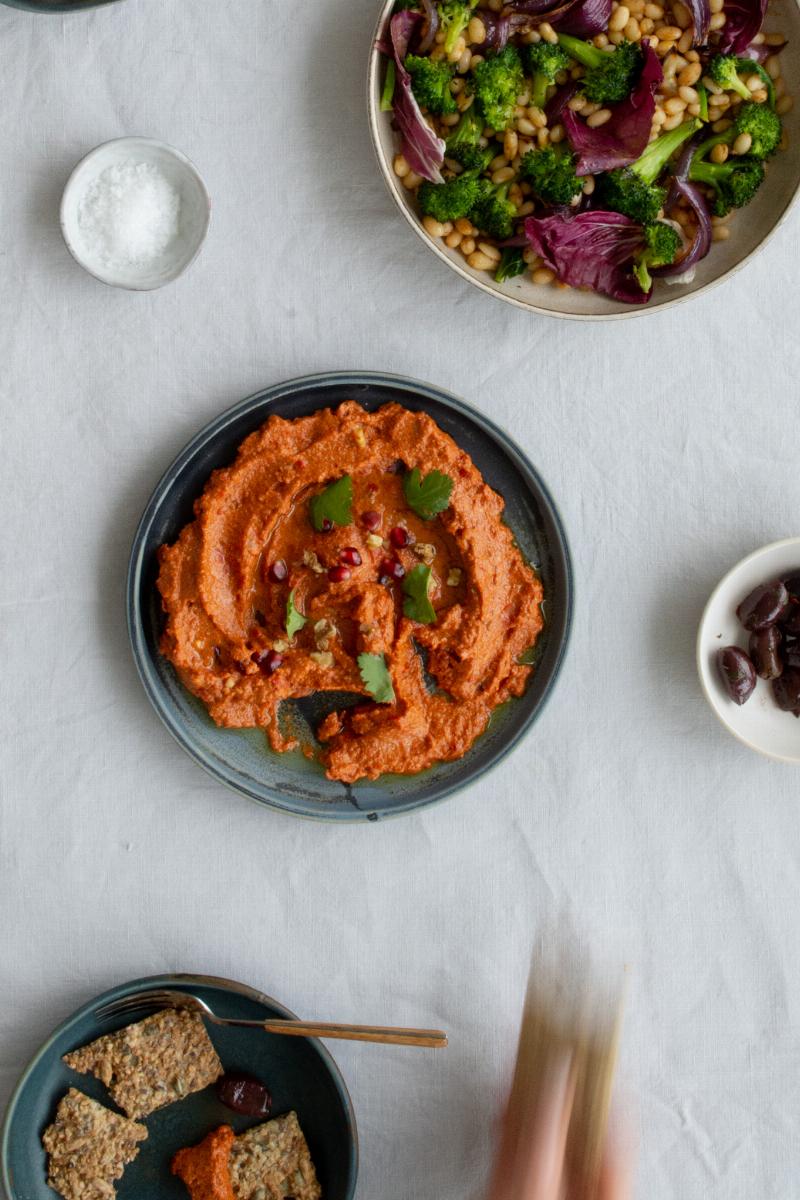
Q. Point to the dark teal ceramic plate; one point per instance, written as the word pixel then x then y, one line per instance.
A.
pixel 299 1072
pixel 242 758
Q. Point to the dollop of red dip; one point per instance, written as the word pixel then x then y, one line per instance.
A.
pixel 204 1167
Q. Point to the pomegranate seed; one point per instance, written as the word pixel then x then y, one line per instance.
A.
pixel 350 556
pixel 400 537
pixel 390 570
pixel 327 525
pixel 371 520
pixel 339 574
pixel 268 661
pixel 278 571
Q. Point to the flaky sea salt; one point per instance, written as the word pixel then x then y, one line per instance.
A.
pixel 130 215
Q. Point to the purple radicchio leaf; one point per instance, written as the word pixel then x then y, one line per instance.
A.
pixel 682 189
pixel 559 101
pixel 624 136
pixel 499 27
pixel 743 20
pixel 422 149
pixel 701 16
pixel 592 249
pixel 582 18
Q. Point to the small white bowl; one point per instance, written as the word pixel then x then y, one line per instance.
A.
pixel 759 723
pixel 195 212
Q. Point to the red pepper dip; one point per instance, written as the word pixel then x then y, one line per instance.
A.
pixel 204 1167
pixel 352 551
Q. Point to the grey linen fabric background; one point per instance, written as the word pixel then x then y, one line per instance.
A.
pixel 628 815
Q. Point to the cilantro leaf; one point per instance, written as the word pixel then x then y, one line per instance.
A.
pixel 294 618
pixel 376 678
pixel 427 496
pixel 417 604
pixel 334 504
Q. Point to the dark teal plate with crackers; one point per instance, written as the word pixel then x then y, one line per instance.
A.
pixel 299 1073
pixel 242 758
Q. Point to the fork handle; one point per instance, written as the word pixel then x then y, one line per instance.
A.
pixel 389 1036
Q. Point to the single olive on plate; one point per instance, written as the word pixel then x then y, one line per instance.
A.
pixel 765 605
pixel 787 691
pixel 244 1094
pixel 765 652
pixel 738 673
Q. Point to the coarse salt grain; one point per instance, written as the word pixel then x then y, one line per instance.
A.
pixel 130 215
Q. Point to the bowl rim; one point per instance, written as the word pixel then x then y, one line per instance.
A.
pixel 170 980
pixel 66 198
pixel 374 115
pixel 133 586
pixel 701 653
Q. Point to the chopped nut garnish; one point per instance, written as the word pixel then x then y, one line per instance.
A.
pixel 281 646
pixel 324 630
pixel 360 436
pixel 323 658
pixel 311 559
pixel 229 684
pixel 453 577
pixel 375 540
pixel 425 550
pixel 366 629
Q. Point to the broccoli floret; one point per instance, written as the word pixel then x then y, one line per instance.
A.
pixel 661 244
pixel 543 61
pixel 551 174
pixel 430 83
pixel 511 264
pixel 726 70
pixel 454 16
pixel 493 212
pixel 610 75
pixel 633 190
pixel 497 82
pixel 760 122
pixel 464 146
pixel 449 201
pixel 735 182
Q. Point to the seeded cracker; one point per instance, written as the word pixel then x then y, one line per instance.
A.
pixel 272 1162
pixel 88 1147
pixel 152 1063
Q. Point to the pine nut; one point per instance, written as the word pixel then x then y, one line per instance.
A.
pixel 711 87
pixel 537 117
pixel 526 126
pixel 457 51
pixel 719 153
pixel 557 134
pixel 675 105
pixel 543 275
pixel 476 31
pixel 654 11
pixel 464 226
pixel 760 96
pixel 688 94
pixel 721 126
pixel 525 209
pixel 668 33
pixel 659 117
pixel 499 161
pixel 400 166
pixel 682 16
pixel 453 240
pixel 503 175
pixel 576 104
pixel 599 118
pixel 480 262
pixel 632 30
pixel 510 143
pixel 542 138
pixel 742 144
pixel 601 41
pixel 693 110
pixel 475 61
pixel 588 185
pixel 663 48
pixel 464 62
pixel 784 105
pixel 467 246
pixel 754 83
pixel 646 25
pixel 774 39
pixel 720 233
pixel 547 33
pixel 672 122
pixel 690 75
pixel 616 39
pixel 773 66
pixel 685 42
pixel 717 21
pixel 619 19
pixel 716 5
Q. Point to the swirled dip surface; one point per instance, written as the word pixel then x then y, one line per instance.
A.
pixel 225 592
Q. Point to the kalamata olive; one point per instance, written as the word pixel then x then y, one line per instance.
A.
pixel 738 673
pixel 790 621
pixel 765 652
pixel 787 690
pixel 244 1094
pixel 764 606
pixel 793 584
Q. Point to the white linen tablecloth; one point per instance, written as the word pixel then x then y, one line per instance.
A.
pixel 628 815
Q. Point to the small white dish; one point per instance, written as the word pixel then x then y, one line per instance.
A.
pixel 759 723
pixel 194 219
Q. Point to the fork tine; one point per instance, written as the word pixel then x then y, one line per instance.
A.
pixel 126 1004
